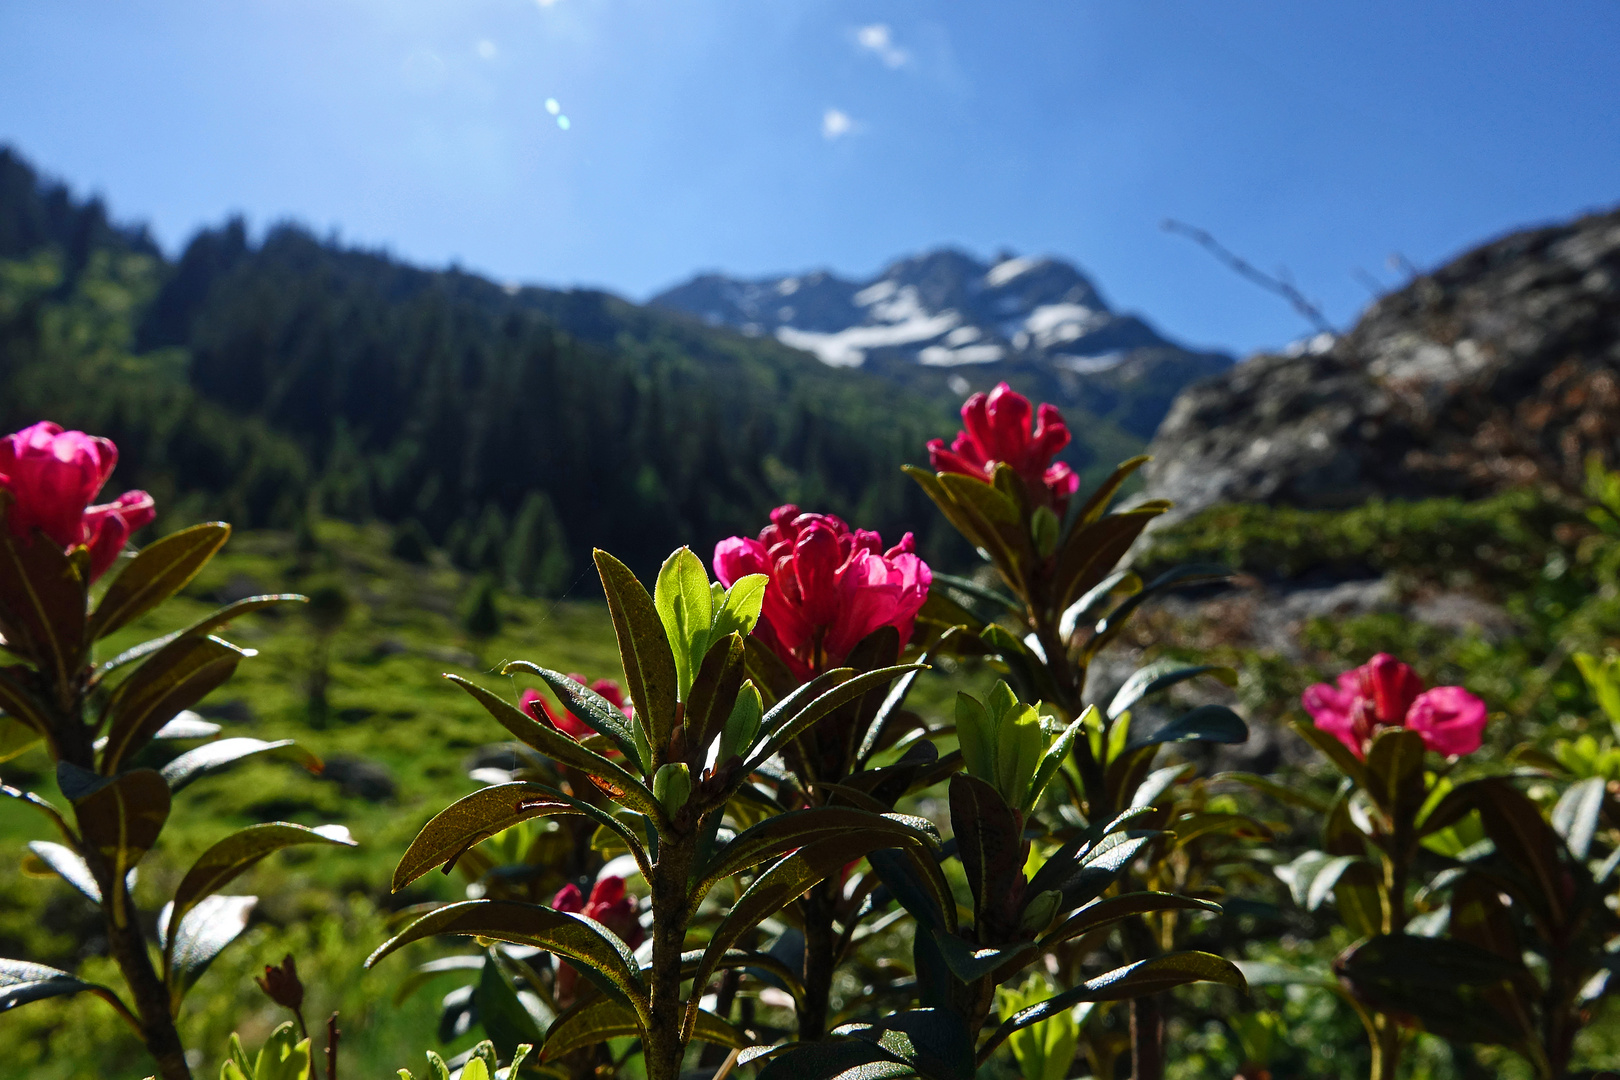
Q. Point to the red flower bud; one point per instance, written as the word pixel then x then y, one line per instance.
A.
pixel 282 985
pixel 998 430
pixel 830 586
pixel 52 475
pixel 1385 693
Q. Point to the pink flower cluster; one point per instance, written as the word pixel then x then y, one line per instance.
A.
pixel 52 475
pixel 830 586
pixel 535 704
pixel 610 905
pixel 997 429
pixel 1385 693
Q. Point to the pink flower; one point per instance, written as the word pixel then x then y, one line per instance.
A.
pixel 1450 719
pixel 609 905
pixel 830 586
pixel 52 475
pixel 535 704
pixel 997 429
pixel 1385 693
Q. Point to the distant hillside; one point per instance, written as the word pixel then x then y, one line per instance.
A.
pixel 267 380
pixel 947 319
pixel 1498 369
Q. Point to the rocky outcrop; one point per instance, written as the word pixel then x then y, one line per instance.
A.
pixel 1500 368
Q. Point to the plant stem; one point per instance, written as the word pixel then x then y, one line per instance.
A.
pixel 817 907
pixel 1147 1039
pixel 662 1048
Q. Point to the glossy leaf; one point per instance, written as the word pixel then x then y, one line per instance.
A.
pixel 1575 818
pixel 573 937
pixel 1395 773
pixel 225 860
pixel 492 810
pixel 592 709
pixel 787 832
pixel 205 625
pixel 42 604
pixel 69 865
pixel 644 648
pixel 933 1041
pixel 1162 675
pixel 849 1059
pixel 990 845
pixel 1096 503
pixel 970 963
pixel 685 606
pixel 120 816
pixel 16 738
pixel 175 678
pixel 506 1019
pixel 22 982
pixel 561 748
pixel 1206 724
pixel 211 757
pixel 1443 983
pixel 1526 841
pixel 1092 552
pixel 1136 980
pixel 45 808
pixel 714 692
pixel 1334 750
pixel 19 703
pixel 599 1020
pixel 160 570
pixel 1106 912
pixel 847 690
pixel 203 933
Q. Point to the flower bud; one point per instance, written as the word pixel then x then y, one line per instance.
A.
pixel 1044 529
pixel 1038 913
pixel 742 726
pixel 281 984
pixel 1010 746
pixel 672 786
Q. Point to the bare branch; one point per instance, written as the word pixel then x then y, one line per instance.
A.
pixel 1244 269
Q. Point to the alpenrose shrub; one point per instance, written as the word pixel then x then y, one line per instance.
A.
pixel 97 718
pixel 1385 693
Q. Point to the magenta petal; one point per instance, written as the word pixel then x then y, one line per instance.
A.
pixel 1450 719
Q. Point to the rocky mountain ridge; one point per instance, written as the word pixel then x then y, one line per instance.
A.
pixel 1036 320
pixel 1501 367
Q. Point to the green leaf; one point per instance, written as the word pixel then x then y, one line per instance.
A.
pixel 70 865
pixel 592 709
pixel 505 1018
pixel 203 933
pixel 713 695
pixel 1096 503
pixel 176 677
pixel 1260 973
pixel 1395 773
pixel 16 738
pixel 1575 818
pixel 162 568
pixel 599 1020
pixel 491 811
pixel 1285 793
pixel 935 1042
pixel 573 937
pixel 1527 842
pixel 120 816
pixel 970 963
pixel 779 885
pixel 1179 577
pixel 206 625
pixel 225 860
pixel 1160 675
pixel 686 608
pixel 786 832
pixel 1334 750
pixel 1002 601
pixel 833 1059
pixel 1136 980
pixel 561 748
pixel 786 730
pixel 1106 912
pixel 42 605
pixel 284 1056
pixel 1092 551
pixel 649 663
pixel 989 843
pixel 22 982
pixel 1443 983
pixel 740 606
pixel 1206 723
pixel 199 762
pixel 18 702
pixel 43 807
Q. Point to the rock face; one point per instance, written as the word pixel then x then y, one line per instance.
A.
pixel 1500 368
pixel 1037 321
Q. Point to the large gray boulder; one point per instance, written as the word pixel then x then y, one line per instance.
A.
pixel 1502 367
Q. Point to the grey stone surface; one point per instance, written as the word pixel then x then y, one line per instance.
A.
pixel 1500 367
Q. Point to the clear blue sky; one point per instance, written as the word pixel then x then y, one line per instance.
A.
pixel 763 135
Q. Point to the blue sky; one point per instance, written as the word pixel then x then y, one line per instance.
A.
pixel 754 136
